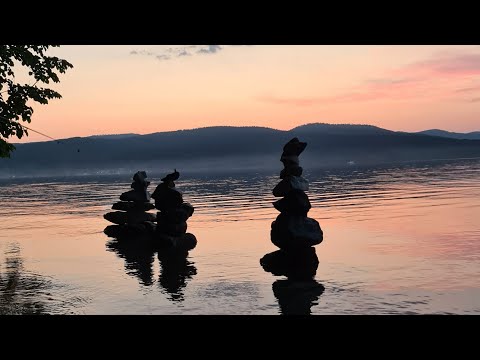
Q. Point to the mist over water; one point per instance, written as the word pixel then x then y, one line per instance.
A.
pixel 402 239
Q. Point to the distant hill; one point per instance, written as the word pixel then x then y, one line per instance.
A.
pixel 225 148
pixel 113 136
pixel 435 132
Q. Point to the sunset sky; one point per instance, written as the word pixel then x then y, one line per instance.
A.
pixel 144 89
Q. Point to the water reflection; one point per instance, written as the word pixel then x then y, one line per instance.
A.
pixel 296 297
pixel 176 270
pixel 138 256
pixel 175 267
pixel 24 293
pixel 299 292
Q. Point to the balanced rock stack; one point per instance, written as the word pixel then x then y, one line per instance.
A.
pixel 293 230
pixel 172 216
pixel 133 207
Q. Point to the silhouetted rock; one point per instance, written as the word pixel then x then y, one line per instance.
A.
pixel 292 232
pixel 297 297
pixel 171 177
pixel 172 217
pixel 174 229
pixel 299 265
pixel 185 242
pixel 294 147
pixel 293 170
pixel 288 184
pixel 176 215
pixel 126 206
pixel 129 217
pixel 290 160
pixel 166 197
pixel 126 232
pixel 140 177
pixel 116 217
pixel 295 203
pixel 136 196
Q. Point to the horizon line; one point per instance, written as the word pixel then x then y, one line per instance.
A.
pixel 240 126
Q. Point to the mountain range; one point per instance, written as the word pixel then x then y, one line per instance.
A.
pixel 475 135
pixel 226 148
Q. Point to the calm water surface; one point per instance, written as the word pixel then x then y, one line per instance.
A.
pixel 398 240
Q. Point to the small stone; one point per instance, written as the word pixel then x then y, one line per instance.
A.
pixel 294 147
pixel 290 160
pixel 293 170
pixel 171 177
pixel 139 176
pixel 288 184
pixel 296 202
pixel 136 196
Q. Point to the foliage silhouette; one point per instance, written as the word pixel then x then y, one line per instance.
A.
pixel 14 106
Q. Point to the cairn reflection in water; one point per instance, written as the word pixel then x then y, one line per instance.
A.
pixel 139 255
pixel 139 235
pixel 300 291
pixel 175 271
pixel 296 235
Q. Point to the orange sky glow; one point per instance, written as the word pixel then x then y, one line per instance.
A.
pixel 145 89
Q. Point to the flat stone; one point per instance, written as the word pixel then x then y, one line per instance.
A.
pixel 184 242
pixel 296 202
pixel 116 217
pixel 136 196
pixel 293 170
pixel 288 184
pixel 138 232
pixel 301 264
pixel 291 232
pixel 136 217
pixel 128 205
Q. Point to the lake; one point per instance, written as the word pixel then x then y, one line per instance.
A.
pixel 400 239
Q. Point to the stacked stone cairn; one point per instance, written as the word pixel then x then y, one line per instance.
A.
pixel 132 218
pixel 293 231
pixel 173 212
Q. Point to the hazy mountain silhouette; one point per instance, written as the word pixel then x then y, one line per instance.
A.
pixel 228 148
pixel 475 135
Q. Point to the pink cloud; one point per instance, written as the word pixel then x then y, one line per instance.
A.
pixel 468 89
pixel 447 64
pixel 415 80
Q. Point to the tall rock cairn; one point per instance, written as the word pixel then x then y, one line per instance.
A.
pixel 293 231
pixel 172 215
pixel 133 204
